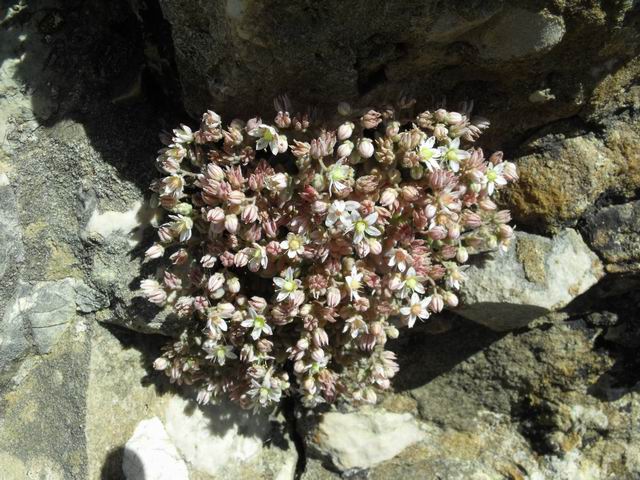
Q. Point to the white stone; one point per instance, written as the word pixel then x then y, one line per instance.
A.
pixel 212 437
pixel 125 223
pixel 364 438
pixel 535 276
pixel 150 455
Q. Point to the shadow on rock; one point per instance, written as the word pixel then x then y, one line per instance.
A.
pixel 432 349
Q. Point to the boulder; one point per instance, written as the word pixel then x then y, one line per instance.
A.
pixel 535 276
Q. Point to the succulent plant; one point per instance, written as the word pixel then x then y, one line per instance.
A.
pixel 297 248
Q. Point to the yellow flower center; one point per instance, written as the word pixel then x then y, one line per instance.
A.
pixel 492 175
pixel 361 226
pixel 452 155
pixel 426 153
pixel 411 283
pixel 289 286
pixel 294 244
pixel 416 309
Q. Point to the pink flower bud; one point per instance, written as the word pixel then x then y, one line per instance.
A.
pixel 437 233
pixel 249 213
pixel 258 303
pixel 155 251
pixel 270 228
pixel 453 118
pixel 345 131
pixel 165 233
pixel 320 337
pixel 235 198
pixel 319 207
pixel 451 299
pixel 215 282
pixel 345 149
pixel 161 363
pixel 231 223
pixel 393 129
pixel 333 297
pixel 437 303
pixel 410 193
pixel 215 215
pixel 179 257
pixel 487 205
pixel 454 231
pixel 241 259
pixel 233 285
pixel 214 172
pixel 430 210
pixel 375 246
pixel 396 283
pixel 388 197
pixel 365 148
pixel 462 255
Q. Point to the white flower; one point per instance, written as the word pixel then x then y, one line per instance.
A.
pixel 258 258
pixel 218 353
pixel 183 135
pixel 412 283
pixel 267 137
pixel 357 325
pixel 294 245
pixel 418 308
pixel 172 185
pixel 259 324
pixel 452 154
pixel 339 210
pixel 287 285
pixel 495 176
pixel 182 226
pixel 398 258
pixel 354 283
pixel 428 154
pixel 266 392
pixel 337 174
pixel 362 226
pixel 455 276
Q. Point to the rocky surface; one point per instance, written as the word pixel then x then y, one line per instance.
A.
pixel 613 233
pixel 85 87
pixel 534 277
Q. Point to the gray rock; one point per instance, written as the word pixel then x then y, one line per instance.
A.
pixel 35 320
pixel 614 233
pixel 535 276
pixel 150 455
pixel 362 439
pixel 518 33
pixel 89 299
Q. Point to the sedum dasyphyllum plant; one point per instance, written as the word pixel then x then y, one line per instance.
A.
pixel 298 248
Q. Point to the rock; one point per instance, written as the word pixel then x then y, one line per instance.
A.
pixel 35 320
pixel 224 441
pixel 362 439
pixel 490 51
pixel 564 175
pixel 518 33
pixel 535 276
pixel 149 454
pixel 614 233
pixel 561 182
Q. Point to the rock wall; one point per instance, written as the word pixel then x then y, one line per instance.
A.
pixel 535 377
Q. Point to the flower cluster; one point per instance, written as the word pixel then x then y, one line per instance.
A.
pixel 296 249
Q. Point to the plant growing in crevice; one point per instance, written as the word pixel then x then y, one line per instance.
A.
pixel 297 248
